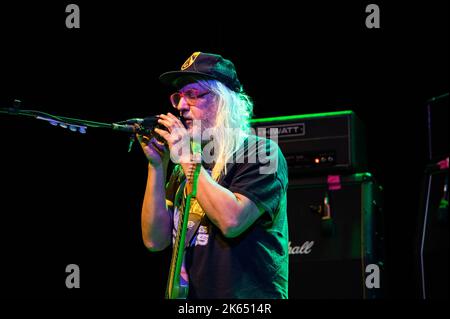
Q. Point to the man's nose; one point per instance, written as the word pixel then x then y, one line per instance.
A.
pixel 182 105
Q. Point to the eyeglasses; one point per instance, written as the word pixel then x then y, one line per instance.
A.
pixel 191 97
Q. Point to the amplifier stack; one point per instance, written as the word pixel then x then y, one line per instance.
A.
pixel 334 206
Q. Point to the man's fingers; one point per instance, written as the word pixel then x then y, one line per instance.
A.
pixel 172 119
pixel 166 123
pixel 176 120
pixel 142 139
pixel 172 116
pixel 157 145
pixel 164 134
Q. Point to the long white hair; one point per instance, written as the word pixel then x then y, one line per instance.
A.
pixel 232 123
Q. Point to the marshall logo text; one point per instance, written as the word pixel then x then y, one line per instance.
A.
pixel 304 249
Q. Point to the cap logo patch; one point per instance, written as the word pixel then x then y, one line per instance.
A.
pixel 190 61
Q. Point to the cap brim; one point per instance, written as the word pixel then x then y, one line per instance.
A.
pixel 181 78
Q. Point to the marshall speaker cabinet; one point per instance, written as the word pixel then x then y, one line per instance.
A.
pixel 336 237
pixel 318 143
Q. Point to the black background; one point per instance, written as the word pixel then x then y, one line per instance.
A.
pixel 70 198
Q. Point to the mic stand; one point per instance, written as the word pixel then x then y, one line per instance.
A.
pixel 75 124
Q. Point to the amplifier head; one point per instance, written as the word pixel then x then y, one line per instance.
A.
pixel 318 143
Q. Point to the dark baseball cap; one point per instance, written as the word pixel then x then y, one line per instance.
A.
pixel 204 66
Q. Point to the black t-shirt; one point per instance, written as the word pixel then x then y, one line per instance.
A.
pixel 254 264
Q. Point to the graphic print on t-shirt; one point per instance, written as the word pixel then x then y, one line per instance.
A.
pixel 195 216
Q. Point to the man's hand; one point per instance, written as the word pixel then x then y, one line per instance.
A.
pixel 156 152
pixel 177 138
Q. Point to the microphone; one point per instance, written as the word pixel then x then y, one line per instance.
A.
pixel 141 126
pixel 145 126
